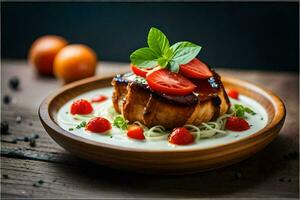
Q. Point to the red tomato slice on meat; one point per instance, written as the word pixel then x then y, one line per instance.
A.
pixel 170 83
pixel 195 69
pixel 139 71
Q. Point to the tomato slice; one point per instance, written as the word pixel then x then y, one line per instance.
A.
pixel 136 132
pixel 139 71
pixel 181 136
pixel 233 94
pixel 170 83
pixel 98 125
pixel 98 99
pixel 236 124
pixel 195 69
pixel 81 107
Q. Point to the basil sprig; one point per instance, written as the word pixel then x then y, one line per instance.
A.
pixel 120 122
pixel 159 52
pixel 240 110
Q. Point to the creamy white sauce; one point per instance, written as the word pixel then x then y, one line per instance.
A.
pixel 118 138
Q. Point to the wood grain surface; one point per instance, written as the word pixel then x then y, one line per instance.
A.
pixel 48 171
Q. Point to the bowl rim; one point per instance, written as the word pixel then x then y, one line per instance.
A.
pixel 46 118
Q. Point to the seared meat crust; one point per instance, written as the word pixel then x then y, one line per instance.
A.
pixel 136 102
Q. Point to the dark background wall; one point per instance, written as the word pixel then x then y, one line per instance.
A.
pixel 238 35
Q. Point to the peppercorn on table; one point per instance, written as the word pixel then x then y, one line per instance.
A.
pixel 34 166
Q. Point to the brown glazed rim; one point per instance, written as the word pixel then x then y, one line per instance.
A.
pixel 277 107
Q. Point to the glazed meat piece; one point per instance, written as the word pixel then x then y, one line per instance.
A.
pixel 137 102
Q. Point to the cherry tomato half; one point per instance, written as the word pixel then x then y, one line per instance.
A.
pixel 181 136
pixel 81 107
pixel 233 94
pixel 136 132
pixel 195 69
pixel 236 124
pixel 98 125
pixel 98 99
pixel 139 71
pixel 169 83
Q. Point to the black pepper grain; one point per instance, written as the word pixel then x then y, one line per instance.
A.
pixel 14 83
pixel 5 176
pixel 6 99
pixel 4 128
pixel 35 185
pixel 281 179
pixel 292 156
pixel 238 175
pixel 32 143
pixel 26 139
pixel 40 182
pixel 35 136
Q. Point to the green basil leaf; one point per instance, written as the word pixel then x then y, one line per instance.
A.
pixel 184 52
pixel 168 54
pixel 162 62
pixel 240 113
pixel 174 66
pixel 140 80
pixel 157 41
pixel 120 122
pixel 249 110
pixel 144 58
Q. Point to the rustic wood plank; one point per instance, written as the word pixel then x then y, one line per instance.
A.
pixel 88 180
pixel 271 173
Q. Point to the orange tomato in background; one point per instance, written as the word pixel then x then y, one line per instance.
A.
pixel 75 62
pixel 43 52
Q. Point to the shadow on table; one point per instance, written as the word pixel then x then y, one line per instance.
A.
pixel 243 178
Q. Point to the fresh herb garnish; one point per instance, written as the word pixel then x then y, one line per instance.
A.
pixel 71 129
pixel 159 52
pixel 240 110
pixel 140 80
pixel 81 125
pixel 120 122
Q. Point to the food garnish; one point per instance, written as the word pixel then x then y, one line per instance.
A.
pixel 195 69
pixel 181 136
pixel 234 123
pixel 140 80
pixel 240 110
pixel 170 83
pixel 6 99
pixel 233 94
pixel 98 99
pixel 81 125
pixel 135 132
pixel 120 122
pixel 139 71
pixel 81 107
pixel 4 128
pixel 98 125
pixel 159 52
pixel 14 83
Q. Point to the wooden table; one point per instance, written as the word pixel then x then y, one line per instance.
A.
pixel 48 171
